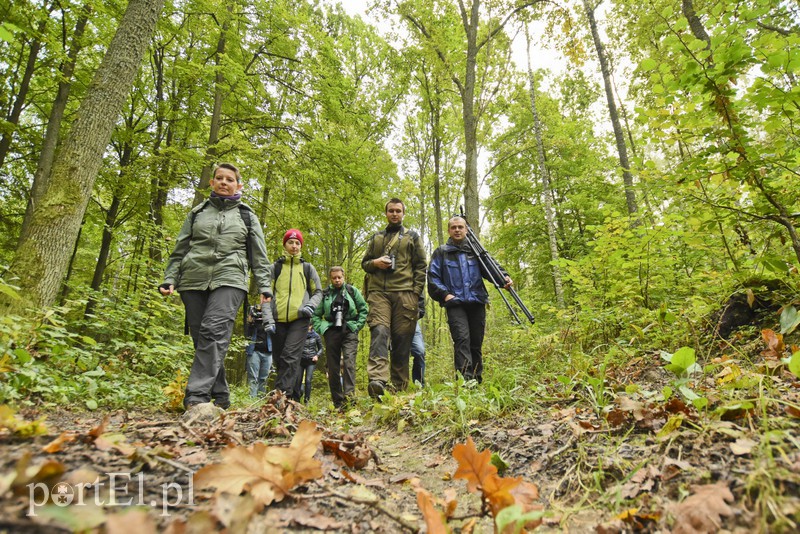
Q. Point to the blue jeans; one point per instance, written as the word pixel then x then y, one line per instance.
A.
pixel 258 367
pixel 418 353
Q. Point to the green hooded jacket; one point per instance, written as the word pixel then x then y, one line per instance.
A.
pixel 357 310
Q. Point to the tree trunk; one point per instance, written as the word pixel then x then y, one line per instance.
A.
pixel 471 197
pixel 42 174
pixel 216 119
pixel 22 94
pixel 549 214
pixel 102 256
pixel 622 151
pixel 42 256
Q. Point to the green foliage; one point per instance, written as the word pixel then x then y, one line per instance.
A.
pixel 121 360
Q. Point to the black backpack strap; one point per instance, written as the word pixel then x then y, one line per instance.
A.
pixel 276 268
pixel 307 273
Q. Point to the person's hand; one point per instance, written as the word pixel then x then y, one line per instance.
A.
pixel 509 283
pixel 384 262
pixel 266 297
pixel 166 289
pixel 305 311
pixel 449 296
pixel 314 359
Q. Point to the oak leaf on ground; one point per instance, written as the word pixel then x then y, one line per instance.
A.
pixel 267 473
pixel 702 512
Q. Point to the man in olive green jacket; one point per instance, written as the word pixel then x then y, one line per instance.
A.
pixel 395 265
pixel 219 239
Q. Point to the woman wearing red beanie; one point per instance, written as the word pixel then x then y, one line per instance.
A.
pixel 296 290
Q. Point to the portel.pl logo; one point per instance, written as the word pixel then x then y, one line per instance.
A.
pixel 121 489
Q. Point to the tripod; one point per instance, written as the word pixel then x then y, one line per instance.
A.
pixel 496 275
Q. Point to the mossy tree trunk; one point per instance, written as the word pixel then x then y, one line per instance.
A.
pixel 43 253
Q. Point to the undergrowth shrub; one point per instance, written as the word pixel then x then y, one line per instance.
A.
pixel 120 357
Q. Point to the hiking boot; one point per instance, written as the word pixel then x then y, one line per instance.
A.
pixel 376 388
pixel 201 411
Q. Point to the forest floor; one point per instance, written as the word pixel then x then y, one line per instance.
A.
pixel 631 463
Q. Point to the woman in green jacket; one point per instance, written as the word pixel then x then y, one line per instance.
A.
pixel 298 291
pixel 338 320
pixel 218 241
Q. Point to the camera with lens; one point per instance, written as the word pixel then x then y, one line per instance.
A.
pixel 337 311
pixel 256 314
pixel 394 263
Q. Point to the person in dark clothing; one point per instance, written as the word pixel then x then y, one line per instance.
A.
pixel 312 350
pixel 455 281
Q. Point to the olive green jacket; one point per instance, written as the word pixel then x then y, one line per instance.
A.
pixel 211 249
pixel 410 263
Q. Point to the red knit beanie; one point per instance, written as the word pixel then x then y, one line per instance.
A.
pixel 293 234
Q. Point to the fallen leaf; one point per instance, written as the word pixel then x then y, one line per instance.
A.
pixel 702 512
pixel 775 346
pixel 55 445
pixel 434 519
pixel 268 473
pixel 473 467
pixel 743 446
pixel 477 470
pixel 131 522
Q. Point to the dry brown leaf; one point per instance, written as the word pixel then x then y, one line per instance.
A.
pixel 133 522
pixel 297 460
pixel 775 346
pixel 244 468
pixel 306 518
pixel 235 511
pixel 473 467
pixel 743 446
pixel 48 473
pixel 55 445
pixel 450 502
pixel 476 469
pixel 434 519
pixel 702 512
pixel 268 473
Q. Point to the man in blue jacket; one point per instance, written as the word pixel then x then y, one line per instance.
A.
pixel 455 281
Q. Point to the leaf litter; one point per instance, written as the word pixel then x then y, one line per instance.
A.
pixel 646 465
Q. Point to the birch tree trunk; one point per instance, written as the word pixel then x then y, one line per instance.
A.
pixel 549 212
pixel 42 255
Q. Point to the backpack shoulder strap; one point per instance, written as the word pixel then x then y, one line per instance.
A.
pixel 245 213
pixel 195 210
pixel 307 273
pixel 351 290
pixel 276 268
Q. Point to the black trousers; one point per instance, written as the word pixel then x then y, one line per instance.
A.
pixel 287 350
pixel 467 324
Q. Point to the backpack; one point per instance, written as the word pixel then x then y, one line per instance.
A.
pixel 278 266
